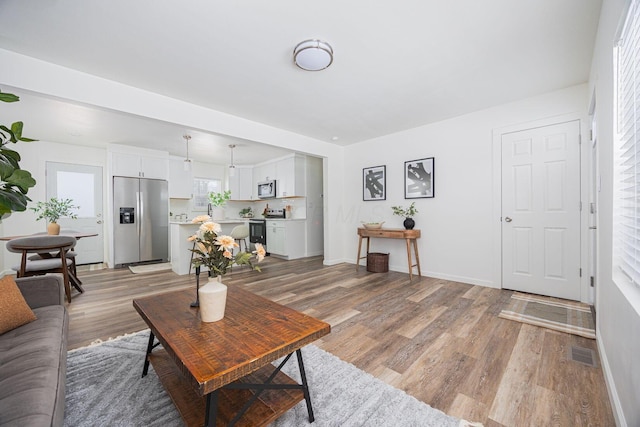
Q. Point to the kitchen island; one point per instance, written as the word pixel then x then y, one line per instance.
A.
pixel 181 247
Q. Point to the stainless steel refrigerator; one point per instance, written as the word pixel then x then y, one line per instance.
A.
pixel 141 220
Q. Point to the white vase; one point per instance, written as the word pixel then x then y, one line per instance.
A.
pixel 217 213
pixel 213 300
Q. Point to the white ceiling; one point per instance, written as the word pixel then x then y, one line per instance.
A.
pixel 398 64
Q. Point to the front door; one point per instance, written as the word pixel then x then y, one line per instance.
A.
pixel 541 210
pixel 83 185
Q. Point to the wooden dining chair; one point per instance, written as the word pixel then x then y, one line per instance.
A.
pixel 57 246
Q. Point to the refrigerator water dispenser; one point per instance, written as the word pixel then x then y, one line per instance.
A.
pixel 127 216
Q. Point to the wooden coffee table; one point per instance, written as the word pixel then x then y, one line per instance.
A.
pixel 221 372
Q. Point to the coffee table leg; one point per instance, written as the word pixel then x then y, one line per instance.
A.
pixel 305 386
pixel 211 412
pixel 150 347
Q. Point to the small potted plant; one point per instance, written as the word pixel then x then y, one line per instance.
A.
pixel 217 202
pixel 407 213
pixel 246 213
pixel 53 210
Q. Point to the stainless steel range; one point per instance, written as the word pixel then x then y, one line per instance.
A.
pixel 274 213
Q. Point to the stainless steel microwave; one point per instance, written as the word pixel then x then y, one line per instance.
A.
pixel 267 189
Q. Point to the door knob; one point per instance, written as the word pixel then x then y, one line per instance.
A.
pixel 98 222
pixel 507 219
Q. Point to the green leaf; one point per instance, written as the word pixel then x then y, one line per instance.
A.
pixel 9 97
pixel 21 179
pixel 9 135
pixel 16 128
pixel 12 201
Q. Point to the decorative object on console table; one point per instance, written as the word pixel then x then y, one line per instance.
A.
pixel 53 210
pixel 215 251
pixel 374 183
pixel 408 213
pixel 419 178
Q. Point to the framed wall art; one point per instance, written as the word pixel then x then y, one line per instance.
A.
pixel 374 183
pixel 419 178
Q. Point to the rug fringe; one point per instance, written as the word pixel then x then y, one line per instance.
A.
pixel 100 341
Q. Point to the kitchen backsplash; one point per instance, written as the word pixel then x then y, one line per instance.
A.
pixel 297 210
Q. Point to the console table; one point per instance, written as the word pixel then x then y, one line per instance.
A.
pixel 410 236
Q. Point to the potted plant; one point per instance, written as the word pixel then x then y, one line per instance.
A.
pixel 407 213
pixel 15 181
pixel 246 213
pixel 53 210
pixel 217 202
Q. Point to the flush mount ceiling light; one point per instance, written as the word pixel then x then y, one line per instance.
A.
pixel 232 167
pixel 187 161
pixel 313 55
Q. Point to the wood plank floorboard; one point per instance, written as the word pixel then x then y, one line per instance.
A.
pixel 438 340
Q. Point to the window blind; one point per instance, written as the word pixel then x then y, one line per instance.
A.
pixel 628 129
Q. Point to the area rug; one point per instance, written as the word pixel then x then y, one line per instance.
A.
pixel 560 315
pixel 150 268
pixel 105 388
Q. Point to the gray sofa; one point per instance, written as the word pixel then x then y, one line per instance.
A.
pixel 33 358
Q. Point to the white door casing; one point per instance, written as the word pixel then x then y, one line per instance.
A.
pixel 82 184
pixel 541 210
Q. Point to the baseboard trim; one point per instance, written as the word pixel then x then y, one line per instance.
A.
pixel 618 414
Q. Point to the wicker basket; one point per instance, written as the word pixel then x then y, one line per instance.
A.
pixel 377 262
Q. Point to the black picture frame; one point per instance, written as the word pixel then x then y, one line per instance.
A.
pixel 374 183
pixel 419 178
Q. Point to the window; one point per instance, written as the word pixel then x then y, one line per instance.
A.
pixel 201 188
pixel 627 210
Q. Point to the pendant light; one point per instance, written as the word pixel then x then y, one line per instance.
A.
pixel 232 167
pixel 187 161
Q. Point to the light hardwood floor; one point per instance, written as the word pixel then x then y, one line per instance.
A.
pixel 440 341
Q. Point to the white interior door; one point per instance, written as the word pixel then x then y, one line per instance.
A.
pixel 82 184
pixel 541 210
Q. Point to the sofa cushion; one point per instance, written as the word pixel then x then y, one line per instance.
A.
pixel 14 310
pixel 33 366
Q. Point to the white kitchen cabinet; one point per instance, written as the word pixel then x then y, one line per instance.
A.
pixel 264 172
pixel 286 238
pixel 241 184
pixel 290 176
pixel 180 180
pixel 276 237
pixel 141 166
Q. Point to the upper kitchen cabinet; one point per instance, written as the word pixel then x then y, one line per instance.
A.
pixel 139 163
pixel 289 173
pixel 290 176
pixel 264 172
pixel 180 180
pixel 241 184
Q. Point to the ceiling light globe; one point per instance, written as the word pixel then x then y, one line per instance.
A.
pixel 313 55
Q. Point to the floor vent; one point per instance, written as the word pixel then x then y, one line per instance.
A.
pixel 582 355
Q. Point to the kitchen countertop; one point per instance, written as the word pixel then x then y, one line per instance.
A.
pixel 220 221
pixel 238 220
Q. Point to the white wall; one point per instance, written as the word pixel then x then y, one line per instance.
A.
pixel 457 225
pixel 34 157
pixel 617 305
pixel 314 208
